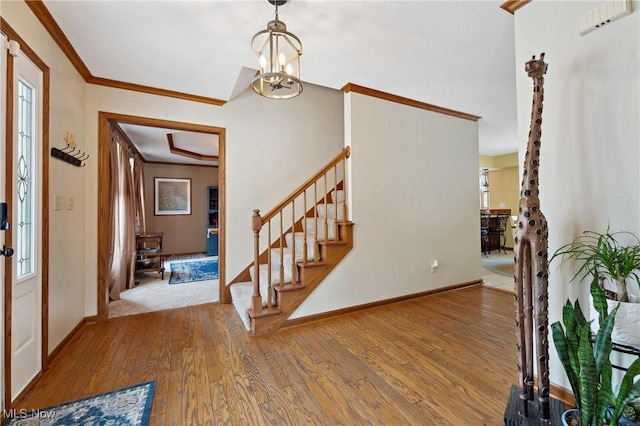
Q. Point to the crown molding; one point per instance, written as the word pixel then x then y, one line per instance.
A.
pixel 350 87
pixel 49 23
pixel 189 154
pixel 153 90
pixel 512 5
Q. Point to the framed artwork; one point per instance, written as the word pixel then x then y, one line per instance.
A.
pixel 172 196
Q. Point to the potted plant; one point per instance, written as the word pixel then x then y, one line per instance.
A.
pixel 603 257
pixel 587 364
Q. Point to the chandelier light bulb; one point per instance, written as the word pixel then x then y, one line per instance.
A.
pixel 278 53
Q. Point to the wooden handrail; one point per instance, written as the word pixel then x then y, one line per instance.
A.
pixel 345 153
pixel 275 244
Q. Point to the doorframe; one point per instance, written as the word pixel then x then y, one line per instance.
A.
pixel 104 118
pixel 44 238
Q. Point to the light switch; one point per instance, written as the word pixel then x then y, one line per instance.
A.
pixel 56 202
pixel 70 203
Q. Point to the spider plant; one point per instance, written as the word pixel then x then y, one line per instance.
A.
pixel 587 364
pixel 602 255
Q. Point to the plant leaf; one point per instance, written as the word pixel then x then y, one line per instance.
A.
pixel 599 299
pixel 562 348
pixel 589 378
pixel 628 389
pixel 602 347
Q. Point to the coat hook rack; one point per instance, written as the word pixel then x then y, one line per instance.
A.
pixel 70 153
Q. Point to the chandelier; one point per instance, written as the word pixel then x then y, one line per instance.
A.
pixel 278 53
pixel 484 180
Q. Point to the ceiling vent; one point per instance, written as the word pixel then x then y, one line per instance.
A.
pixel 602 15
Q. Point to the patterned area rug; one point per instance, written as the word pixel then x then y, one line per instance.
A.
pixel 187 272
pixel 501 266
pixel 185 256
pixel 125 407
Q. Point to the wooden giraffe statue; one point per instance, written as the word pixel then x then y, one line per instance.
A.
pixel 531 263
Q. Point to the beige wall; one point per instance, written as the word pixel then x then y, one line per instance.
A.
pixel 413 187
pixel 182 234
pixel 265 159
pixel 589 169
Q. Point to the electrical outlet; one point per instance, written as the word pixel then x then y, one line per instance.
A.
pixel 434 266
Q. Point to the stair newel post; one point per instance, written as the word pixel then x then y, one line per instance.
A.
pixel 304 229
pixel 335 200
pixel 326 212
pixel 293 241
pixel 269 280
pixel 256 225
pixel 344 185
pixel 316 255
pixel 281 266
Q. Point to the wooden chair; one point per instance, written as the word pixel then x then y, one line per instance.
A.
pixel 499 228
pixel 484 233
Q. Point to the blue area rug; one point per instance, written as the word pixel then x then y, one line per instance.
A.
pixel 187 272
pixel 125 407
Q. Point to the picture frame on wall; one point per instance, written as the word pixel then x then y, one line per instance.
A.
pixel 172 196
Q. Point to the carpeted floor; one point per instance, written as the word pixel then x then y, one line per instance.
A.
pixel 154 294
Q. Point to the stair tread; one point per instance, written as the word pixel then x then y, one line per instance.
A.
pixel 332 243
pixel 289 287
pixel 311 264
pixel 266 312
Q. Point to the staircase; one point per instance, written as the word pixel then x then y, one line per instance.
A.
pixel 290 261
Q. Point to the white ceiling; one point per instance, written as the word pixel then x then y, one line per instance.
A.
pixel 454 54
pixel 153 144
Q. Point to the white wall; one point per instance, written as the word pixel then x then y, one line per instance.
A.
pixel 414 178
pixel 66 227
pixel 589 173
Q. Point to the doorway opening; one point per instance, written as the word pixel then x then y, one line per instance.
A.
pixel 105 230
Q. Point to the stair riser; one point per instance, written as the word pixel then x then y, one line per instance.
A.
pixel 299 245
pixel 332 211
pixel 311 277
pixel 319 233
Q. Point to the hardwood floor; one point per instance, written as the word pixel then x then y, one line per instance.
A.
pixel 446 359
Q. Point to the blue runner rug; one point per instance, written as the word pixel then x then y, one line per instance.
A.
pixel 125 407
pixel 186 272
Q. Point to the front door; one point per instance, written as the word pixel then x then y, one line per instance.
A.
pixel 26 224
pixel 3 168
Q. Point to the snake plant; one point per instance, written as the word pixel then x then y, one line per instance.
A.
pixel 602 255
pixel 587 364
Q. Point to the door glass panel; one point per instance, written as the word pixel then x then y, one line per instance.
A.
pixel 25 198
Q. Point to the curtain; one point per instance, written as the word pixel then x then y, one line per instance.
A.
pixel 122 250
pixel 138 187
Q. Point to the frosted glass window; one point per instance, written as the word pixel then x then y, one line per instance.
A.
pixel 24 173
